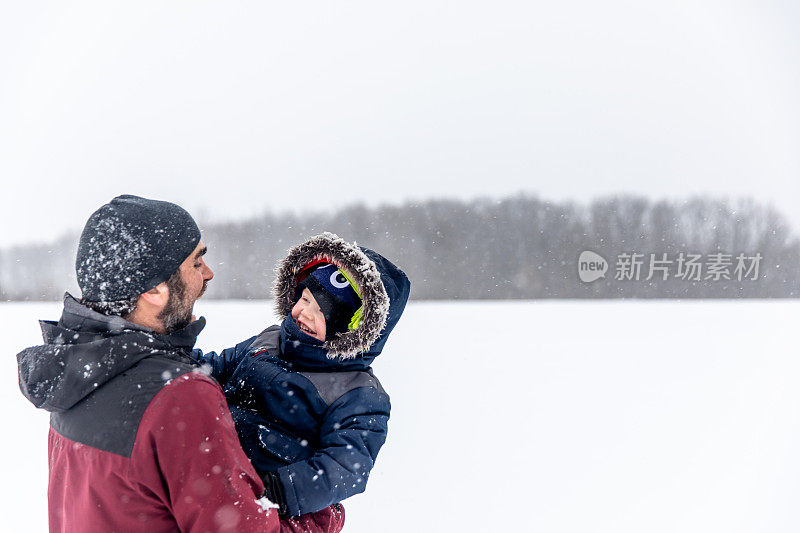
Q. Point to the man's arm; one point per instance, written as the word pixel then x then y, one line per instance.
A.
pixel 329 520
pixel 187 454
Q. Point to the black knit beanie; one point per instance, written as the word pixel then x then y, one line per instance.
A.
pixel 132 244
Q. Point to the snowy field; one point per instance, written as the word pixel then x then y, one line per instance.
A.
pixel 537 416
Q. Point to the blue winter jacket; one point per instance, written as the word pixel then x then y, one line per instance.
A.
pixel 310 421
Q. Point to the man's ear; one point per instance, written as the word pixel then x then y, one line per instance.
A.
pixel 157 296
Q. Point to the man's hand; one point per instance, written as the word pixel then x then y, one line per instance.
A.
pixel 328 520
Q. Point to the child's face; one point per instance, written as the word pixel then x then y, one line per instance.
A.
pixel 309 316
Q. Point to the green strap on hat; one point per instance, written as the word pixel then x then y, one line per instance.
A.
pixel 356 320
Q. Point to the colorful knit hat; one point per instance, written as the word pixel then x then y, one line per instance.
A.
pixel 335 293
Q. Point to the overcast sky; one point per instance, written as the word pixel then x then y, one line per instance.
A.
pixel 234 108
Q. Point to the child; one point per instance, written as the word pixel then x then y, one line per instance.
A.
pixel 310 413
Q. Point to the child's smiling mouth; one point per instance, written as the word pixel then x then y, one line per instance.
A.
pixel 306 329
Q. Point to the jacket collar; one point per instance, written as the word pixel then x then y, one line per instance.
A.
pixel 86 349
pixel 304 351
pixel 86 323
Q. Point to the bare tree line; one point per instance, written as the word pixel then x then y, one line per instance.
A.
pixel 516 248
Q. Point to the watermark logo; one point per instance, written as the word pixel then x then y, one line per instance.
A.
pixel 683 266
pixel 688 267
pixel 591 266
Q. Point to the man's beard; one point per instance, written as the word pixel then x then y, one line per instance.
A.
pixel 177 314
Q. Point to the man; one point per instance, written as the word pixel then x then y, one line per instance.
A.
pixel 140 439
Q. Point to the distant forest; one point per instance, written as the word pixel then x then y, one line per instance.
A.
pixel 516 248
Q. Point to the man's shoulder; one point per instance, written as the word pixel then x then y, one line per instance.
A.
pixel 185 403
pixel 109 418
pixel 159 370
pixel 185 388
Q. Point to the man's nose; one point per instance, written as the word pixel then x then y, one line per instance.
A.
pixel 208 274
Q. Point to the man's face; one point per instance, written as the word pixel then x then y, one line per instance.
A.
pixel 185 289
pixel 308 315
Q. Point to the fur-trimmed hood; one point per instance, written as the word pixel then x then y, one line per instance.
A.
pixel 384 291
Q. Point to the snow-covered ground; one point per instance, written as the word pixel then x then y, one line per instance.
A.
pixel 537 416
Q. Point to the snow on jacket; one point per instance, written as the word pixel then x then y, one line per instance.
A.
pixel 310 414
pixel 139 439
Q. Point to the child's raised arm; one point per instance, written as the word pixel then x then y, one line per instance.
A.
pixel 221 365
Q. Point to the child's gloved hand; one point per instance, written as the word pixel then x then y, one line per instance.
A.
pixel 273 490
